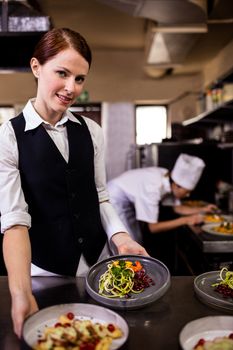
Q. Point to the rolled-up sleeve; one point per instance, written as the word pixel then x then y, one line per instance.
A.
pixel 13 208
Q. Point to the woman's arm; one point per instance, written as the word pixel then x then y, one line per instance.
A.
pixel 118 237
pixel 186 210
pixel 15 221
pixel 17 257
pixel 172 224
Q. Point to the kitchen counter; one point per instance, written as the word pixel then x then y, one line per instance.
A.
pixel 211 243
pixel 155 326
pixel 199 251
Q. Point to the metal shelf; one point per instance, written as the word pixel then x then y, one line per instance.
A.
pixel 218 115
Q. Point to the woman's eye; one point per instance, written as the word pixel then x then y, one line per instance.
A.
pixel 79 79
pixel 61 73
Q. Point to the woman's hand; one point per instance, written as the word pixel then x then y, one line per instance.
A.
pixel 194 219
pixel 23 305
pixel 126 245
pixel 210 208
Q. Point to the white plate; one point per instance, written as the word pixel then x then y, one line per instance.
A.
pixel 208 228
pixel 207 294
pixel 36 323
pixel 208 328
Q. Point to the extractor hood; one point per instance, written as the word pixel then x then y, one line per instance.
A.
pixel 174 26
pixel 21 26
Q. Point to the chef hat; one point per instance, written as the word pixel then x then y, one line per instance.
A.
pixel 187 171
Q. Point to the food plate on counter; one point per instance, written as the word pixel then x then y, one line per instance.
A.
pixel 205 291
pixel 156 274
pixel 38 324
pixel 219 229
pixel 217 218
pixel 207 328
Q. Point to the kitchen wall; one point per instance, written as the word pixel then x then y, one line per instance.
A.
pixel 118 77
pixel 114 77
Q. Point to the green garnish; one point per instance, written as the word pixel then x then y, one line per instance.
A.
pixel 119 279
pixel 226 278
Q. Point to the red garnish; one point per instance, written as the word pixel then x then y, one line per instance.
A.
pixel 225 290
pixel 200 342
pixel 65 325
pixel 58 324
pixel 111 327
pixel 70 315
pixel 87 346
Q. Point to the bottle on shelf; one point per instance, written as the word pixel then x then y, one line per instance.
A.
pixel 209 100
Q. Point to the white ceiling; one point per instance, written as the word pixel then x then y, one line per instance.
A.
pixel 109 28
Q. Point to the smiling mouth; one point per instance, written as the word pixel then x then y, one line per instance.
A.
pixel 64 99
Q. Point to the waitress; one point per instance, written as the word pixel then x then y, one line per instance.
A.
pixel 54 204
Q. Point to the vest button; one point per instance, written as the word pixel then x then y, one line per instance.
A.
pixel 80 240
pixel 76 216
pixel 73 195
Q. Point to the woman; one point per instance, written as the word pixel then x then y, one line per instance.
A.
pixel 138 193
pixel 52 181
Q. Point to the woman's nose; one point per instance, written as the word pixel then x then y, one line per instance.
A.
pixel 70 86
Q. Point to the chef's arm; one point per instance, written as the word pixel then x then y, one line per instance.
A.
pixel 167 225
pixel 17 257
pixel 187 210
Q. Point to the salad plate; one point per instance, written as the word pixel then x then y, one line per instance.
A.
pixel 155 270
pixel 207 294
pixel 207 328
pixel 35 325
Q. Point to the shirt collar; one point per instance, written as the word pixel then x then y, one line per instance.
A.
pixel 33 119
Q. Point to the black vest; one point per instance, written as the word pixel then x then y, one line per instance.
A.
pixel 62 198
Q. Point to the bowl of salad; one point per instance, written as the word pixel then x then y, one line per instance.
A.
pixel 128 281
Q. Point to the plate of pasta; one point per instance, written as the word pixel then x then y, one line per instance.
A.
pixel 75 326
pixel 127 281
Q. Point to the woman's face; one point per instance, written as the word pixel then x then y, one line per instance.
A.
pixel 60 82
pixel 179 192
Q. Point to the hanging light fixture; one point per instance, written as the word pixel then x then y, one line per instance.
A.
pixel 21 16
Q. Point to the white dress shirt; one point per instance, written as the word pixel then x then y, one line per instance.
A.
pixel 13 207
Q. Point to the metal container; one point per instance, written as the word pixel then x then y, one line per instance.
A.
pixel 230 202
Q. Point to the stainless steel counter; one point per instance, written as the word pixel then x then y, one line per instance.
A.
pixel 156 326
pixel 211 243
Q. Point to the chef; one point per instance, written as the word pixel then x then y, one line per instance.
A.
pixel 138 193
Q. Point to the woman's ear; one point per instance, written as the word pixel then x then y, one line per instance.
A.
pixel 35 67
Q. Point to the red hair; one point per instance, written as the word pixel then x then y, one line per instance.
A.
pixel 59 39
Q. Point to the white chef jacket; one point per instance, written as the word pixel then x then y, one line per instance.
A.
pixel 136 195
pixel 13 207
